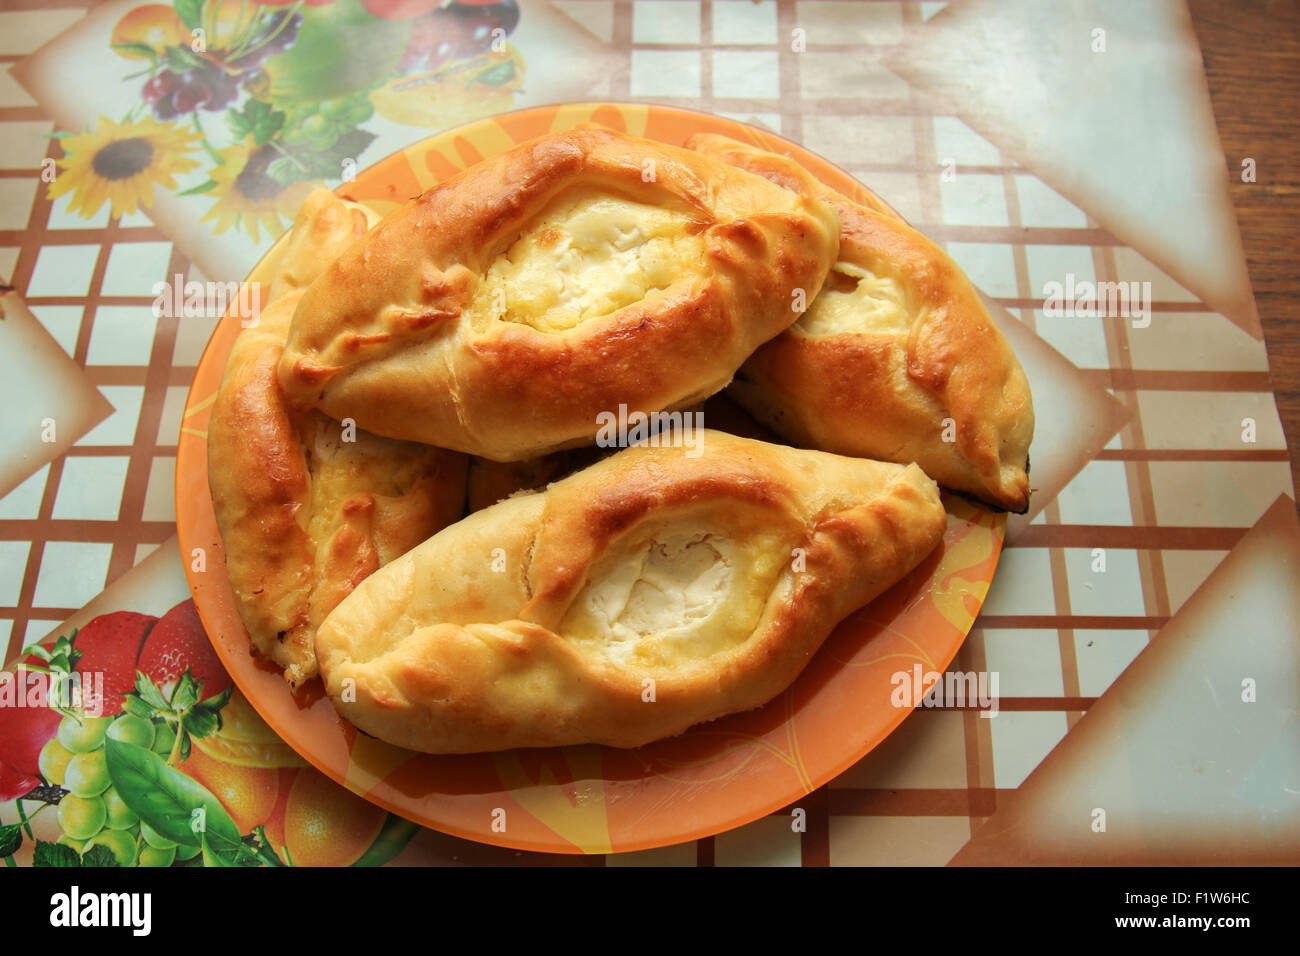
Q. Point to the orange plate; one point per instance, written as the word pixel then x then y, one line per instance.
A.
pixel 593 799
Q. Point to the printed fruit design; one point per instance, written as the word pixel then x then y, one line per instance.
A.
pixel 274 826
pixel 171 766
pixel 59 744
pixel 399 9
pixel 90 810
pixel 14 784
pixel 34 718
pixel 188 75
pixel 247 793
pixel 267 98
pixel 457 66
pixel 245 83
pixel 23 732
pixel 244 739
pixel 458 31
pixel 341 50
pixel 326 825
pixel 146 32
pixel 179 641
pixel 110 645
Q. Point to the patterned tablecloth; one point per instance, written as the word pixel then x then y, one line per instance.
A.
pixel 1143 622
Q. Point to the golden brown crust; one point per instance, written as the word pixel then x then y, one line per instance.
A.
pixel 889 393
pixel 495 656
pixel 259 481
pixel 384 336
pixel 305 514
pixel 493 481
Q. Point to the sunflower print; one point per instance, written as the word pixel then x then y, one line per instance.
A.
pixel 121 164
pixel 248 195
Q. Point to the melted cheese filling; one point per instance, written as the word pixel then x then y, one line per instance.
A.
pixel 854 299
pixel 675 596
pixel 585 256
pixel 339 469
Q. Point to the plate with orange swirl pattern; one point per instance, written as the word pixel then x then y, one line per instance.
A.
pixel 592 799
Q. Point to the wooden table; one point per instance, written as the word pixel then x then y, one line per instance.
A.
pixel 1251 50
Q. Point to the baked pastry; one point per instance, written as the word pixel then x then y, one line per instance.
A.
pixel 638 597
pixel 500 312
pixel 895 359
pixel 307 506
pixel 492 481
